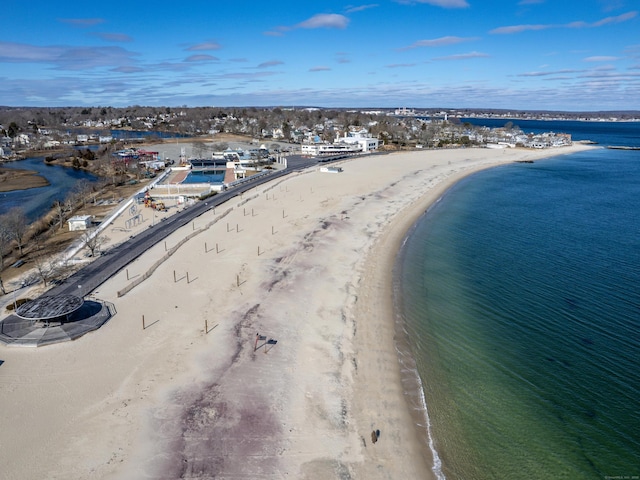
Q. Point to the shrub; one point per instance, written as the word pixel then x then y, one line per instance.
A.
pixel 19 302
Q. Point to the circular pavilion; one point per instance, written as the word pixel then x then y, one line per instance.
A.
pixel 50 308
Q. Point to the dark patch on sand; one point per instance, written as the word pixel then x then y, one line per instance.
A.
pixel 224 428
pixel 278 277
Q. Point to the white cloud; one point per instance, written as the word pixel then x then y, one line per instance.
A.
pixel 23 53
pixel 201 58
pixel 82 22
pixel 577 24
pixel 204 46
pixel 320 20
pixel 270 63
pixel 114 37
pixel 325 20
pixel 439 42
pixel 128 69
pixel 618 19
pixel 440 3
pixel 601 58
pixel 464 56
pixel 360 8
pixel 66 57
pixel 549 73
pixel 401 65
pixel 518 28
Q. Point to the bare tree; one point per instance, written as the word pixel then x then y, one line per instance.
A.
pixel 82 190
pixel 5 238
pixel 93 240
pixel 45 266
pixel 220 146
pixel 17 226
pixel 60 213
pixel 197 149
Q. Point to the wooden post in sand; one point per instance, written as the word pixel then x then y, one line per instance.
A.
pixel 174 276
pixel 258 250
pixel 283 215
pixel 205 247
pixel 217 251
pixel 206 327
pixel 227 227
pixel 143 327
pixel 237 280
pixel 258 338
pixel 165 246
pixel 187 277
pixel 127 274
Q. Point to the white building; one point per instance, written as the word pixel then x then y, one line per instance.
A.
pixel 353 142
pixel 79 222
pixel 362 138
pixel 326 149
pixel 51 144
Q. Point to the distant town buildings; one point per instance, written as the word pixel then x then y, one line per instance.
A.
pixel 313 130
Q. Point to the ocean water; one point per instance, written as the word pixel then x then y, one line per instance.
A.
pixel 603 133
pixel 519 293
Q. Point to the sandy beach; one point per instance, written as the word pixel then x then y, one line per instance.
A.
pixel 304 262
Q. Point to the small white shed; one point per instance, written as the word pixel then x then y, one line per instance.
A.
pixel 79 222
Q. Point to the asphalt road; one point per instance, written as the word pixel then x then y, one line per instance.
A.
pixel 90 277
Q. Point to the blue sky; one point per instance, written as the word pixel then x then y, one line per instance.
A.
pixel 521 54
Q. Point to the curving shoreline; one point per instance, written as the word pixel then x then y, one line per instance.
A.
pixel 311 268
pixel 12 179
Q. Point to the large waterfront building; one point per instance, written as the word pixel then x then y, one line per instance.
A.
pixel 359 141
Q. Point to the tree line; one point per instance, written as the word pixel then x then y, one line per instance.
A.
pixel 22 240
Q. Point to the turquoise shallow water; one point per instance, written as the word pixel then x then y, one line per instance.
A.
pixel 520 295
